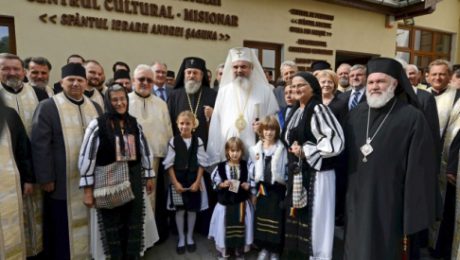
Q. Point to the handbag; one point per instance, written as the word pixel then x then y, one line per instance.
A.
pixel 112 187
pixel 176 198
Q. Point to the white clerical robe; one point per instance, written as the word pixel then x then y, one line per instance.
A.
pixel 231 103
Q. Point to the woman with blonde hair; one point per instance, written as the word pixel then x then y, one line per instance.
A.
pixel 328 81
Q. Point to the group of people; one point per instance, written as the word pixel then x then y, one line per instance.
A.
pixel 91 170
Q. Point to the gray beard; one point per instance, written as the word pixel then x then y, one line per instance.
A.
pixel 344 82
pixel 378 101
pixel 14 83
pixel 242 82
pixel 192 86
pixel 40 85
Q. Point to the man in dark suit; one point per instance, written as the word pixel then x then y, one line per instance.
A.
pixel 160 88
pixel 350 99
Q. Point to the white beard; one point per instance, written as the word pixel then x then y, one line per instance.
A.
pixel 242 82
pixel 378 101
pixel 192 86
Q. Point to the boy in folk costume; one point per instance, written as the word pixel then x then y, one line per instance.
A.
pixel 268 185
pixel 231 222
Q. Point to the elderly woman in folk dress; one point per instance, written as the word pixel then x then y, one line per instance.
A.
pixel 114 138
pixel 312 135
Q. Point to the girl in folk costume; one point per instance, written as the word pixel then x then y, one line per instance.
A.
pixel 313 136
pixel 185 161
pixel 231 222
pixel 269 187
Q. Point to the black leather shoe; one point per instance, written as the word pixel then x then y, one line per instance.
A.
pixel 191 248
pixel 180 250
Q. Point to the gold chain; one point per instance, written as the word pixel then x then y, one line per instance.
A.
pixel 197 104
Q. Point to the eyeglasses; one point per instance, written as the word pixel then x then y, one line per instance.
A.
pixel 143 79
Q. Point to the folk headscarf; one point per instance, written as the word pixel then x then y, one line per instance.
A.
pixel 112 118
pixel 314 84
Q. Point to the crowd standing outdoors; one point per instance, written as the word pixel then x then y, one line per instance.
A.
pixel 103 168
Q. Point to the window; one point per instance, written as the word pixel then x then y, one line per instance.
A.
pixel 269 55
pixel 7 35
pixel 420 46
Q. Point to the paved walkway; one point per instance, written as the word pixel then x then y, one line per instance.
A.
pixel 206 250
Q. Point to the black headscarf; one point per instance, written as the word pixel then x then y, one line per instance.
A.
pixel 314 84
pixel 393 68
pixel 192 63
pixel 112 118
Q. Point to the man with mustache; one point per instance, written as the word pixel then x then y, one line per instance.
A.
pixel 38 73
pixel 95 87
pixel 343 72
pixel 57 133
pixel 192 92
pixel 152 114
pixel 243 98
pixel 391 167
pixel 24 99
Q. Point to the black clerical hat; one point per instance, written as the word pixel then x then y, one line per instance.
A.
pixel 170 74
pixel 394 69
pixel 192 63
pixel 73 69
pixel 121 74
pixel 320 65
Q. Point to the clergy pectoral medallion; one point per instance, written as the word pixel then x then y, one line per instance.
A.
pixel 240 123
pixel 197 122
pixel 366 150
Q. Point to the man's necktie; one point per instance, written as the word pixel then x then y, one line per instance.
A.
pixel 354 101
pixel 162 94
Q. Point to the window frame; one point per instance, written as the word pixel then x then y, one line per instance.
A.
pixel 432 54
pixel 8 21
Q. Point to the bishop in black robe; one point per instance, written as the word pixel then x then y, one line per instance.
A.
pixel 391 193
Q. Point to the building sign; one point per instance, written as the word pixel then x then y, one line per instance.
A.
pixel 76 18
pixel 310 25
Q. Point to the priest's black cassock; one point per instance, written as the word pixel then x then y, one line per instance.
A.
pixel 391 194
pixel 178 100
